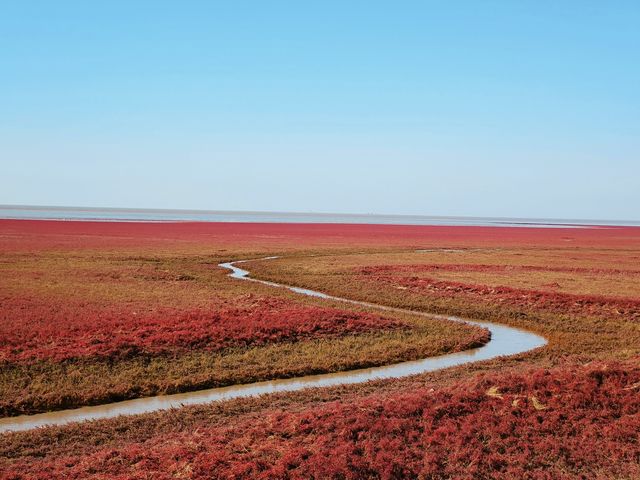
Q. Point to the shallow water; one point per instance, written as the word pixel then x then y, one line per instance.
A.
pixel 504 341
pixel 158 215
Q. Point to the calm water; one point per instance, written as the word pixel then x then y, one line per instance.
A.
pixel 149 215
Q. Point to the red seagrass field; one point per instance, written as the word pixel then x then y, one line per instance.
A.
pixel 98 312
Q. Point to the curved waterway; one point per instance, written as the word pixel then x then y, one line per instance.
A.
pixel 504 341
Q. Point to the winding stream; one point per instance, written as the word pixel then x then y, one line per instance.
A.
pixel 504 341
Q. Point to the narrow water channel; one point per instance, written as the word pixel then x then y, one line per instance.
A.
pixel 505 340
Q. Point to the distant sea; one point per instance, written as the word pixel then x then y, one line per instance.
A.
pixel 157 215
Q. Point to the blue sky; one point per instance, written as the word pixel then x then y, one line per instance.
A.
pixel 481 108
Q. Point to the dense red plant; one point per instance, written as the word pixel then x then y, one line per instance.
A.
pixel 568 422
pixel 40 329
pixel 475 267
pixel 26 235
pixel 558 302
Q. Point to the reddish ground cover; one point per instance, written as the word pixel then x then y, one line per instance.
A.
pixel 59 331
pixel 578 422
pixel 87 319
pixel 21 235
pixel 505 269
pixel 551 416
pixel 599 305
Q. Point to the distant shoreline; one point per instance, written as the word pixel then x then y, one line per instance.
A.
pixel 29 212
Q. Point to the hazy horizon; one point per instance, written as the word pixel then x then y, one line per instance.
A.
pixel 467 109
pixel 292 212
pixel 52 212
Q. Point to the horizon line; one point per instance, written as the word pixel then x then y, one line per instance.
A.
pixel 497 219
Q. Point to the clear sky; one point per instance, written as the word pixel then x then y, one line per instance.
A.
pixel 481 108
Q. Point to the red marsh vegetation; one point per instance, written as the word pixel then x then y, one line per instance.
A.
pixel 87 319
pixel 565 422
pixel 569 410
pixel 25 235
pixel 59 332
pixel 505 295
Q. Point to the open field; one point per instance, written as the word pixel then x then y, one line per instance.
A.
pixel 106 322
pixel 94 312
